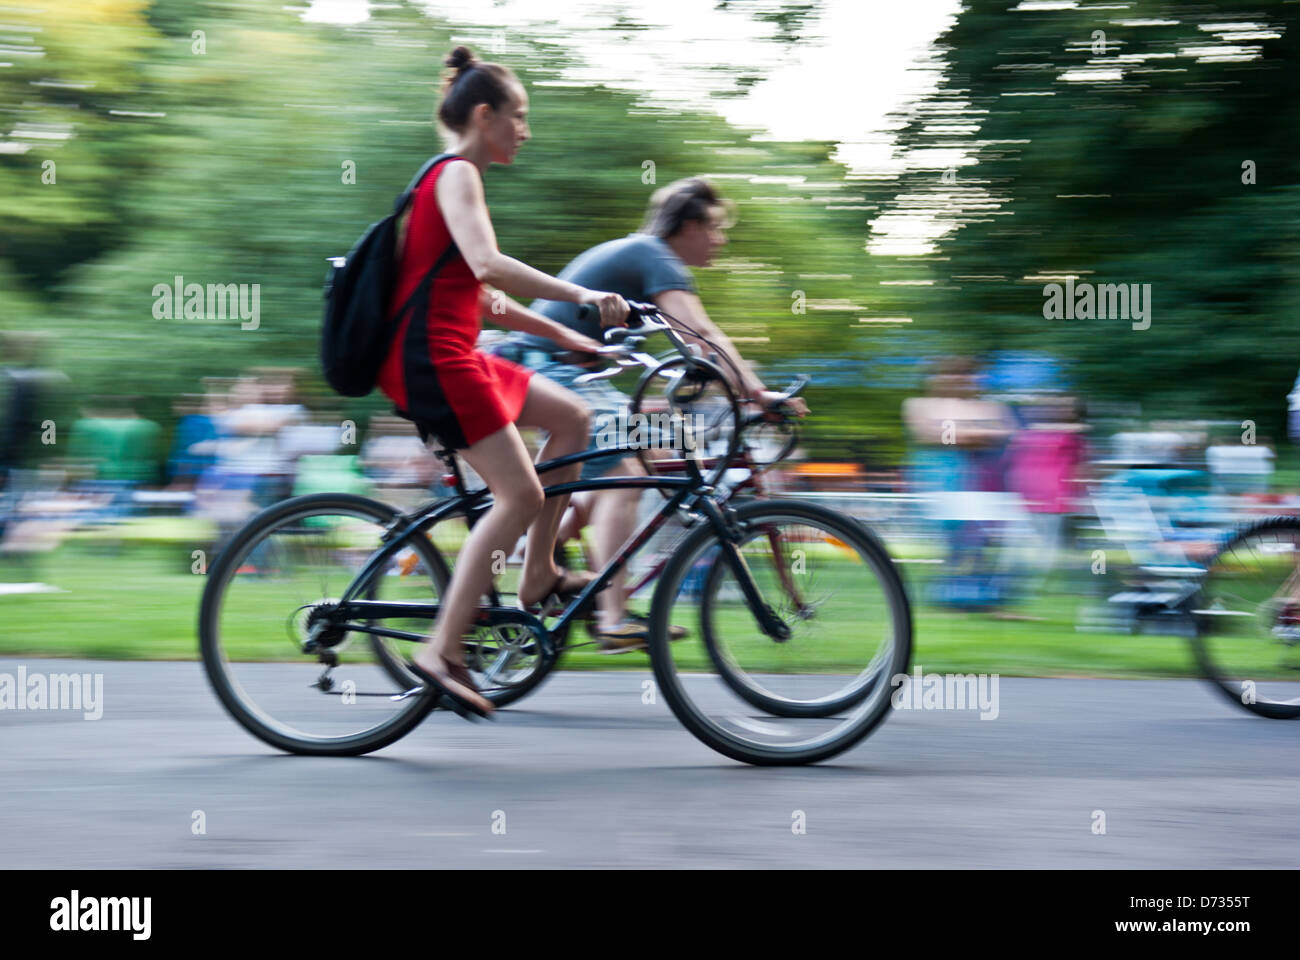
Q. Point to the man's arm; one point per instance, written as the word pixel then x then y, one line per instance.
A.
pixel 686 306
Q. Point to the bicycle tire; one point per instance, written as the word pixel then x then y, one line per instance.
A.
pixel 736 679
pixel 712 734
pixel 209 631
pixel 1212 670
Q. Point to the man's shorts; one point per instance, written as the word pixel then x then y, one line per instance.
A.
pixel 606 401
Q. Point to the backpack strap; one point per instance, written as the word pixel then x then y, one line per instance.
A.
pixel 405 197
pixel 421 290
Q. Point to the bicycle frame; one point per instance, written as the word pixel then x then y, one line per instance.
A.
pixel 691 492
pixel 694 492
pixel 752 482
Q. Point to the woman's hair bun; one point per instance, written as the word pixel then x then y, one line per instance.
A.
pixel 460 58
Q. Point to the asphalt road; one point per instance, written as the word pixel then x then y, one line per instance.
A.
pixel 583 774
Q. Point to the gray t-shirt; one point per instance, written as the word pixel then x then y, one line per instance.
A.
pixel 636 267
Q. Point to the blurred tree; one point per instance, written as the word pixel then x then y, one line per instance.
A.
pixel 1110 145
pixel 236 143
pixel 74 114
pixel 257 161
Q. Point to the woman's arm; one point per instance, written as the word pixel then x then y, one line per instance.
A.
pixel 460 197
pixel 512 315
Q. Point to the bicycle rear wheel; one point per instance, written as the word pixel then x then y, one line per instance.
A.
pixel 1247 614
pixel 825 686
pixel 269 652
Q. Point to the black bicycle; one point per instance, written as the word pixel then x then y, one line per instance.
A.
pixel 797 620
pixel 1247 618
pixel 505 671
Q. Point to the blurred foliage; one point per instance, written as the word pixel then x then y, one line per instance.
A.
pixel 230 170
pixel 208 139
pixel 1129 179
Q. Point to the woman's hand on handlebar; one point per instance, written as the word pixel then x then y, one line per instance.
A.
pixel 613 308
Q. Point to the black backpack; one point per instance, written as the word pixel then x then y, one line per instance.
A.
pixel 357 331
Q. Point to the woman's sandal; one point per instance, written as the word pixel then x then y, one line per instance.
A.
pixel 457 672
pixel 556 594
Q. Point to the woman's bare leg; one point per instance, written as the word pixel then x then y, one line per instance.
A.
pixel 502 461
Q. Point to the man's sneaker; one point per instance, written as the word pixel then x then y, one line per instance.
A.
pixel 674 632
pixel 624 638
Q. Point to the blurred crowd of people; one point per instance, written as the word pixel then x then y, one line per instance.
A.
pixel 1010 475
pixel 984 462
pixel 1003 466
pixel 240 444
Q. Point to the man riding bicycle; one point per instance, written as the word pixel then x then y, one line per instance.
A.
pixel 685 225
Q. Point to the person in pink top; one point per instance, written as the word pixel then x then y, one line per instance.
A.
pixel 1045 463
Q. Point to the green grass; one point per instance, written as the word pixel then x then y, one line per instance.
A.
pixel 133 596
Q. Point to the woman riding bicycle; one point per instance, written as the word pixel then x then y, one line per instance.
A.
pixel 470 401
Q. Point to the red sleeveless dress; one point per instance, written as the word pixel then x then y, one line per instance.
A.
pixel 433 373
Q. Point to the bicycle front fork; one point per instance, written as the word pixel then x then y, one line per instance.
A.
pixel 722 520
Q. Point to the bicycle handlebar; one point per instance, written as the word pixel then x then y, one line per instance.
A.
pixel 621 341
pixel 790 392
pixel 778 406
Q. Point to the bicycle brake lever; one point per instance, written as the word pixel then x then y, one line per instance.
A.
pixel 790 392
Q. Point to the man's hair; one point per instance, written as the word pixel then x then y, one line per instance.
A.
pixel 679 203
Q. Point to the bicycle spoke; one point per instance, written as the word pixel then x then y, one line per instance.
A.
pixel 322 686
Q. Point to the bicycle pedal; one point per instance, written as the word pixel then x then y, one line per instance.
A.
pixel 442 703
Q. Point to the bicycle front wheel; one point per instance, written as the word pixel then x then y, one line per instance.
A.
pixel 1247 614
pixel 698 416
pixel 819 689
pixel 268 652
